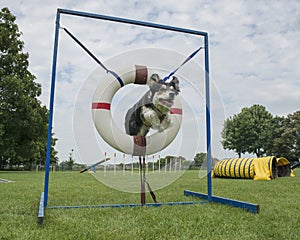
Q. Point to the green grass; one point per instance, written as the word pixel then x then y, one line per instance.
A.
pixel 19 202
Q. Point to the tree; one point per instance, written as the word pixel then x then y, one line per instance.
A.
pixel 68 164
pixel 23 120
pixel 199 159
pixel 233 139
pixel 287 142
pixel 53 154
pixel 162 162
pixel 250 131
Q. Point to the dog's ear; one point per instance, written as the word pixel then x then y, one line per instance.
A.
pixel 175 83
pixel 154 79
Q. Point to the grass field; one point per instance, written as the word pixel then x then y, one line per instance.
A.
pixel 279 215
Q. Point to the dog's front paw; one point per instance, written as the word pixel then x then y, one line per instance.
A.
pixel 164 124
pixel 149 117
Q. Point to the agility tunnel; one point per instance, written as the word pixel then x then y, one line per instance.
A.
pixel 265 168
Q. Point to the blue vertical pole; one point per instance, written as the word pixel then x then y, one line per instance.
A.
pixel 208 126
pixel 48 153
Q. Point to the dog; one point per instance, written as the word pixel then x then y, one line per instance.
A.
pixel 153 109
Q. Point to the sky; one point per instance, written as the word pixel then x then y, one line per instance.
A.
pixel 253 53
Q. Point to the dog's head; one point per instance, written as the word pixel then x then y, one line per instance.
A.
pixel 163 93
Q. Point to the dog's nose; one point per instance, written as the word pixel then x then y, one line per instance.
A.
pixel 172 94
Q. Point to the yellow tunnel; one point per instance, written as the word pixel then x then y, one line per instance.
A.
pixel 265 168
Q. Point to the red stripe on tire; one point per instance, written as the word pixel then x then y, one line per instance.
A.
pixel 176 111
pixel 101 105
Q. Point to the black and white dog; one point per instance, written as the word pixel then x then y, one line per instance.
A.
pixel 152 110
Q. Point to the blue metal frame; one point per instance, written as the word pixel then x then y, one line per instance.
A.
pixel 210 198
pixel 253 208
pixel 126 21
pixel 41 209
pixel 51 104
pixel 208 127
pixel 129 205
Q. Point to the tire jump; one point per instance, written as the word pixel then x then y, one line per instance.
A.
pixel 111 133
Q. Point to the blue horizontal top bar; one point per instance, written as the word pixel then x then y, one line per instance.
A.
pixel 130 21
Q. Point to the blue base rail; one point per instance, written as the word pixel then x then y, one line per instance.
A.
pixel 253 208
pixel 128 205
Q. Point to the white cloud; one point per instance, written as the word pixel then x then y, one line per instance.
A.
pixel 254 53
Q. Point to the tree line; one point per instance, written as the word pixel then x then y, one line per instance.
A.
pixel 256 131
pixel 23 119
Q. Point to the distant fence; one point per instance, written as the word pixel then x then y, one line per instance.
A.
pixel 151 166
